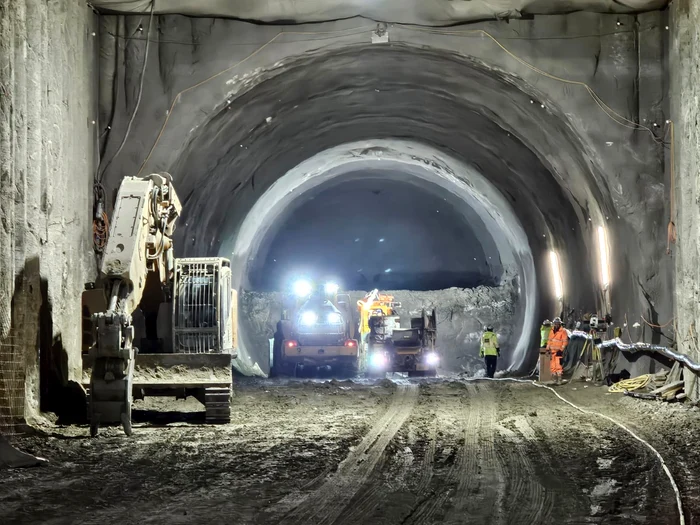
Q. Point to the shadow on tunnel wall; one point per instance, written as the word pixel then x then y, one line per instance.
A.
pixel 46 357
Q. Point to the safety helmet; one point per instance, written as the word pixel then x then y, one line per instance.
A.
pixel 557 320
pixel 546 322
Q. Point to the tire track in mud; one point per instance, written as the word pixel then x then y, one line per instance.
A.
pixel 465 473
pixel 329 501
pixel 426 466
pixel 529 501
pixel 481 497
pixel 375 491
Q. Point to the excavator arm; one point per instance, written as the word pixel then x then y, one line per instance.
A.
pixel 139 246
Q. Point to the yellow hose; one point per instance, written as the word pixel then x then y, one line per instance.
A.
pixel 628 385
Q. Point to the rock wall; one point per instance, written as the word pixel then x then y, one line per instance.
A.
pixel 685 111
pixel 461 315
pixel 435 12
pixel 48 108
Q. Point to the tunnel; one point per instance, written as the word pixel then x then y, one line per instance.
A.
pixel 448 175
pixel 270 178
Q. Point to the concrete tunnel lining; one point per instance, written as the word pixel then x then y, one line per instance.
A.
pixel 501 227
pixel 476 116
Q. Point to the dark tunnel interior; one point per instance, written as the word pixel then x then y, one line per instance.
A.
pixel 370 232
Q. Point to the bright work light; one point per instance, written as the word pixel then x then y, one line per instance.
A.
pixel 556 275
pixel 302 288
pixel 308 318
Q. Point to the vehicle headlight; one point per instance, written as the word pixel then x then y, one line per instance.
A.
pixel 302 288
pixel 331 288
pixel 308 318
pixel 334 318
pixel 432 358
pixel 377 360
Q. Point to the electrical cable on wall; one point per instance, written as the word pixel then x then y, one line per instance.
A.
pixel 347 32
pixel 140 92
pixel 612 114
pixel 100 223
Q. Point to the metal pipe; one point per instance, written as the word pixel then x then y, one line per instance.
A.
pixel 115 295
pixel 647 347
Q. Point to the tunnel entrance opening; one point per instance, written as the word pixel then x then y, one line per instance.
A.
pixel 442 226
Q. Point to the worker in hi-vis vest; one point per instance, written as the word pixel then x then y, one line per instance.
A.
pixel 556 344
pixel 490 350
pixel 544 333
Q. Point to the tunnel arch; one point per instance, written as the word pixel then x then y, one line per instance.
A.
pixel 455 106
pixel 497 224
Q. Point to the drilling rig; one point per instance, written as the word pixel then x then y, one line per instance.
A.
pixel 158 325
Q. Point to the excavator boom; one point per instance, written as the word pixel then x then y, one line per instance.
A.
pixel 139 244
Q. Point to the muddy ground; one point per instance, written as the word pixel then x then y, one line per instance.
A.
pixel 418 452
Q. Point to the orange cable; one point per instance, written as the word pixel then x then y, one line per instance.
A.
pixel 657 325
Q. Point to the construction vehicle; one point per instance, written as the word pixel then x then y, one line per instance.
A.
pixel 159 325
pixel 316 334
pixel 391 348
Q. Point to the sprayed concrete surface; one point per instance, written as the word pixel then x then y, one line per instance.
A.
pixel 232 107
pixel 430 451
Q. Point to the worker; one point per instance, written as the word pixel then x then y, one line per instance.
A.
pixel 556 345
pixel 490 350
pixel 544 333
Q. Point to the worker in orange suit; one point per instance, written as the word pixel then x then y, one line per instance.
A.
pixel 556 344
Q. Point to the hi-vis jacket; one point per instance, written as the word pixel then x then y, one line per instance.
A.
pixel 489 344
pixel 544 335
pixel 557 340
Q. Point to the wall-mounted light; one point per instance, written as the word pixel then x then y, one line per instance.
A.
pixel 604 260
pixel 556 275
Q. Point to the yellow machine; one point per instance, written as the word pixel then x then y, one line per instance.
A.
pixel 391 348
pixel 180 311
pixel 317 334
pixel 375 304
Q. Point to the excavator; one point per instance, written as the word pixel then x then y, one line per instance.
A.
pixel 391 347
pixel 182 312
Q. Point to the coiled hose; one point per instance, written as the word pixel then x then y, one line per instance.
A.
pixel 628 385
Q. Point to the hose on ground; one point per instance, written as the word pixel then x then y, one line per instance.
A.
pixel 628 385
pixel 659 457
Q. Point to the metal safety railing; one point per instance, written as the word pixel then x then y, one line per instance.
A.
pixel 12 396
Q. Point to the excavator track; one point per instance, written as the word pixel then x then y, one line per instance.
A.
pixel 217 402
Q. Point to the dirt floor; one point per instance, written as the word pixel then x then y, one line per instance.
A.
pixel 405 452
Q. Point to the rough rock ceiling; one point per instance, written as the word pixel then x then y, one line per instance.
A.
pixel 429 12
